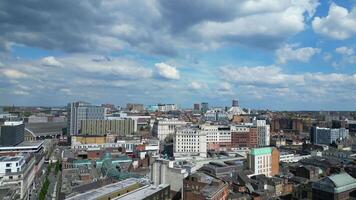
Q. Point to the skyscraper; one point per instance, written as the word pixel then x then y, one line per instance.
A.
pixel 204 107
pixel 78 111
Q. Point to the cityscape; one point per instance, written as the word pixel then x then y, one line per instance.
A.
pixel 178 100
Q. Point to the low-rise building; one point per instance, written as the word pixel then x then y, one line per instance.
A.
pixel 189 141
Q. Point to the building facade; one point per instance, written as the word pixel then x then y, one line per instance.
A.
pixel 189 141
pixel 327 135
pixel 264 161
pixel 79 111
pixel 244 136
pixel 165 127
pixel 102 127
pixel 12 133
pixel 263 132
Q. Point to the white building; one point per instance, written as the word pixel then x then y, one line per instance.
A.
pixel 217 135
pixel 189 141
pixel 167 172
pixel 264 161
pixel 165 127
pixel 17 172
pixel 263 133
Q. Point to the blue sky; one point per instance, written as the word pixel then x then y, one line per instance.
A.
pixel 279 55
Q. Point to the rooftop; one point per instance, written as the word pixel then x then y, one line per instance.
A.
pixel 97 193
pixel 10 158
pixel 143 192
pixel 261 151
pixel 45 129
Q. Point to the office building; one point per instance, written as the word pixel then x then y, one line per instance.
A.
pixel 264 161
pixel 244 136
pixel 204 107
pixel 202 186
pixel 18 172
pixel 327 135
pixel 12 133
pixel 167 107
pixel 79 111
pixel 189 141
pixel 102 127
pixel 263 133
pixel 196 107
pixel 334 187
pixel 235 103
pixel 218 137
pixel 166 127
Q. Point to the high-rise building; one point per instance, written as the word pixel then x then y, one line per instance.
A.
pixel 189 141
pixel 196 107
pixel 327 135
pixel 218 137
pixel 165 127
pixel 235 103
pixel 12 133
pixel 79 111
pixel 204 107
pixel 264 161
pixel 263 132
pixel 101 127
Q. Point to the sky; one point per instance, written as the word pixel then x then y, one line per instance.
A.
pixel 278 55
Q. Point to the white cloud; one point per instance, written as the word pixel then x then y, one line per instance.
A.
pixel 198 85
pixel 339 24
pixel 20 92
pixel 166 71
pixel 345 51
pixel 51 61
pixel 13 73
pixel 290 53
pixel 225 86
pixel 260 75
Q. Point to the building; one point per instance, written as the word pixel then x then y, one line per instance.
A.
pixel 79 111
pixel 204 107
pixel 327 135
pixel 40 131
pixel 189 141
pixel 202 186
pixel 17 172
pixel 218 137
pixel 168 172
pixel 244 136
pixel 148 192
pixel 110 191
pixel 196 107
pixel 263 133
pixel 167 107
pixel 235 103
pixel 264 161
pixel 135 107
pixel 334 187
pixel 166 127
pixel 120 127
pixel 221 169
pixel 12 133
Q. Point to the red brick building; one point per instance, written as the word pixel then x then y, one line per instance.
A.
pixel 244 138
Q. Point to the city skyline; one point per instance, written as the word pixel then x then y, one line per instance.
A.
pixel 277 55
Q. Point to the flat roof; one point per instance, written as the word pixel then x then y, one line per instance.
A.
pixel 142 192
pixel 23 145
pixel 10 158
pixel 261 151
pixel 97 193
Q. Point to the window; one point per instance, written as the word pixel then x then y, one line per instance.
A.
pixel 8 164
pixel 7 170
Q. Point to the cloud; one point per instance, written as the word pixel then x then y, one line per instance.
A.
pixel 51 61
pixel 270 80
pixel 290 53
pixel 166 71
pixel 345 51
pixel 339 24
pixel 13 74
pixel 105 26
pixel 198 85
pixel 21 92
pixel 225 86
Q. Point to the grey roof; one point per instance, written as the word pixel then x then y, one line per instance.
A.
pixel 97 193
pixel 45 129
pixel 336 183
pixel 143 192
